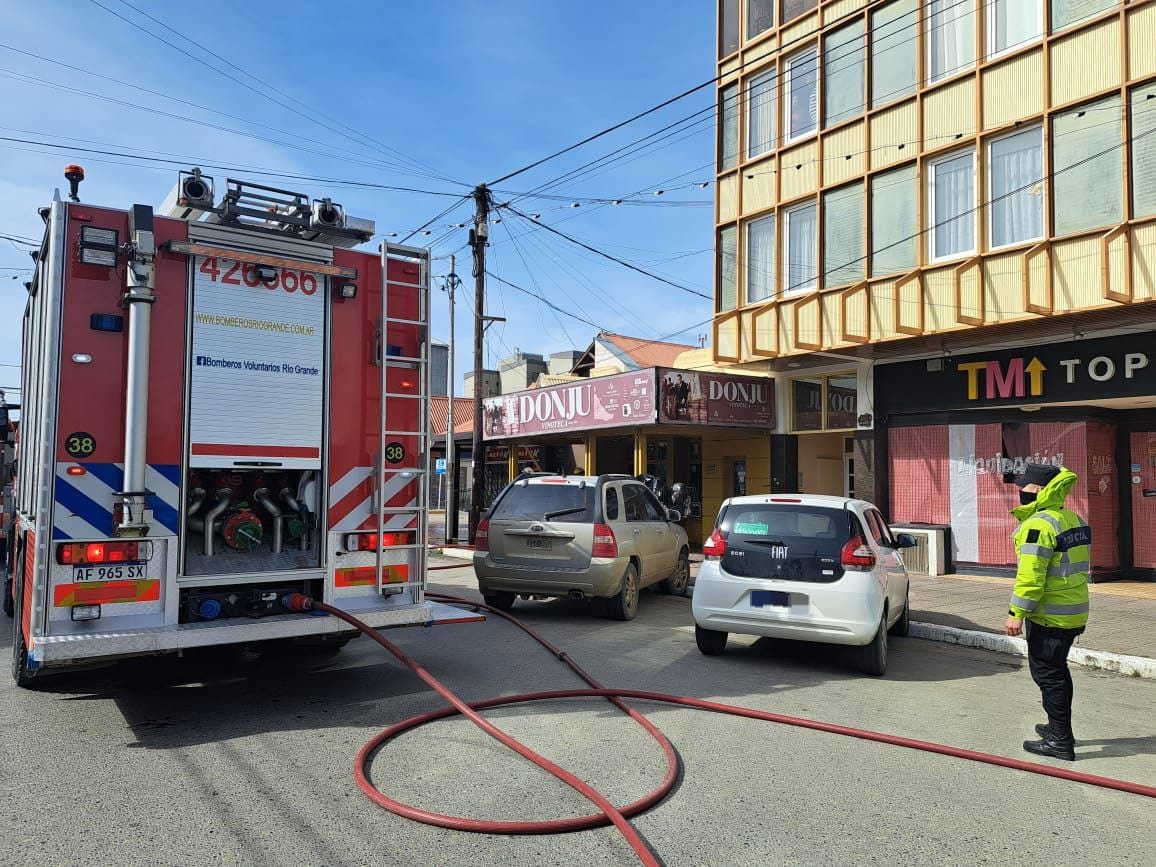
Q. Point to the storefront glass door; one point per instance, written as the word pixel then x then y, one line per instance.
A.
pixel 1142 478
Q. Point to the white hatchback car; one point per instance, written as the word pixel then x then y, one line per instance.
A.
pixel 809 568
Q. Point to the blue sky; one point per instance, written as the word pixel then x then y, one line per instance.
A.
pixel 470 90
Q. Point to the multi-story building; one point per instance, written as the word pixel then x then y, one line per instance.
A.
pixel 936 228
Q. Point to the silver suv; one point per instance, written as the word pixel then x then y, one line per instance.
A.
pixel 583 537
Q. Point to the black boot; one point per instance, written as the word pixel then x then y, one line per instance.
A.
pixel 1050 746
pixel 1044 730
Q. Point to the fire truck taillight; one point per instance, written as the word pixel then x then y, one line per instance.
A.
pixel 99 246
pixel 368 541
pixel 86 553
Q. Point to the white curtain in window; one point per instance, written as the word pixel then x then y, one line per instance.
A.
pixel 951 36
pixel 760 259
pixel 802 243
pixel 804 93
pixel 953 206
pixel 1016 187
pixel 1012 23
pixel 893 53
pixel 1067 12
pixel 761 114
pixel 1144 150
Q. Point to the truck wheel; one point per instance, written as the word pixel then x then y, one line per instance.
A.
pixel 677 583
pixel 873 657
pixel 503 600
pixel 624 604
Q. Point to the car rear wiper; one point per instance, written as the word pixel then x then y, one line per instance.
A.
pixel 550 516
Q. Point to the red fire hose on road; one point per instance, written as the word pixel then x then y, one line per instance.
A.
pixel 618 816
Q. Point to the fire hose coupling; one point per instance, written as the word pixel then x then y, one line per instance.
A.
pixel 297 602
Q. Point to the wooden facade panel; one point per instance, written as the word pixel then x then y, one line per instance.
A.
pixel 729 71
pixel 1076 272
pixel 1144 262
pixel 799 171
pixel 759 186
pixel 1115 269
pixel 882 301
pixel 727 338
pixel 832 320
pixel 949 113
pixel 800 29
pixel 938 301
pixel 1003 286
pixel 728 204
pixel 746 335
pixel 1087 63
pixel 893 135
pixel 847 142
pixel 1013 90
pixel 836 11
pixel 1141 39
pixel 766 330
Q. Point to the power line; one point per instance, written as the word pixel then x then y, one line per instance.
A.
pixel 545 301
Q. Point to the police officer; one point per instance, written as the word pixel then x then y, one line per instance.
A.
pixel 1053 553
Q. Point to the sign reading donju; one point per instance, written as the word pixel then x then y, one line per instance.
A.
pixel 643 397
pixel 1068 372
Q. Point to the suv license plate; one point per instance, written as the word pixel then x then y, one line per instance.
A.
pixel 539 544
pixel 775 598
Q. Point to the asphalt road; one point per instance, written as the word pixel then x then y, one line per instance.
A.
pixel 233 758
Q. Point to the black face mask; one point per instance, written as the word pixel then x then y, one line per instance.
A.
pixel 1028 497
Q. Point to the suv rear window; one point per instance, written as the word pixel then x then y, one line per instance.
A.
pixel 557 503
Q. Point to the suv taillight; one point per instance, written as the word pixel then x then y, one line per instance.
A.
pixel 857 554
pixel 482 536
pixel 715 547
pixel 605 545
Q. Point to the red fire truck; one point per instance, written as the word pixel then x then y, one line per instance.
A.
pixel 223 403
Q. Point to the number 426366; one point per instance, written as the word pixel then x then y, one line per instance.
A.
pixel 236 273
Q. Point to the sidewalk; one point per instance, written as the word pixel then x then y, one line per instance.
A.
pixel 1122 620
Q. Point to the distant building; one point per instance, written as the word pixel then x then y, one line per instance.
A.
pixel 491 384
pixel 519 371
pixel 616 353
pixel 561 363
pixel 439 368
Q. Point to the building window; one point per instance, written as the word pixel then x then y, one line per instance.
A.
pixel 760 259
pixel 1144 150
pixel 893 57
pixel 760 16
pixel 1012 23
pixel 728 144
pixel 728 30
pixel 824 402
pixel 802 94
pixel 1065 13
pixel 893 237
pixel 1015 187
pixel 843 74
pixel 950 37
pixel 792 9
pixel 844 212
pixel 727 284
pixel 951 195
pixel 800 248
pixel 761 114
pixel 1087 174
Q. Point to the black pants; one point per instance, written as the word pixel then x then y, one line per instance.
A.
pixel 1048 648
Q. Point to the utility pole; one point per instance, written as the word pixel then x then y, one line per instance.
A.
pixel 451 461
pixel 479 236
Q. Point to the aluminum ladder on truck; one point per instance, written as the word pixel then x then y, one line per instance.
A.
pixel 419 364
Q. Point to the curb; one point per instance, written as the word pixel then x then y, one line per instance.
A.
pixel 1132 666
pixel 457 553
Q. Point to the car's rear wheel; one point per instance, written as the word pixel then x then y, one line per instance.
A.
pixel 873 657
pixel 903 624
pixel 710 641
pixel 503 600
pixel 676 584
pixel 624 604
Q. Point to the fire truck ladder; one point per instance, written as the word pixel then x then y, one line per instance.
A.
pixel 389 358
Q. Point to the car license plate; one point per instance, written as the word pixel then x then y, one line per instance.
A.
pixel 117 572
pixel 773 598
pixel 539 544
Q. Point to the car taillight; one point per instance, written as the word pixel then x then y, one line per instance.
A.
pixel 715 547
pixel 482 536
pixel 605 545
pixel 857 554
pixel 368 541
pixel 85 553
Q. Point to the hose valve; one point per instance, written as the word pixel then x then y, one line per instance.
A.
pixel 297 602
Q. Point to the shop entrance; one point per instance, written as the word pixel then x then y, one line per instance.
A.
pixel 1142 480
pixel 823 464
pixel 614 455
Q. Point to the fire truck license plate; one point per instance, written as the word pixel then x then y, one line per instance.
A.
pixel 119 572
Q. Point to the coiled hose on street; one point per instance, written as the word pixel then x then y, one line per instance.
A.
pixel 610 814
